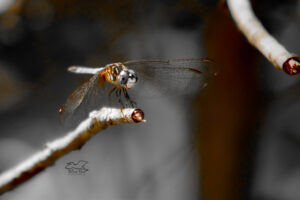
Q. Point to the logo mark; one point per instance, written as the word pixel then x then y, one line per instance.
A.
pixel 78 168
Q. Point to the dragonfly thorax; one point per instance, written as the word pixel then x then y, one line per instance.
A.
pixel 119 75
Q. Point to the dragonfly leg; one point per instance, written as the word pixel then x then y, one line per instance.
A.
pixel 127 97
pixel 109 94
pixel 112 90
pixel 118 95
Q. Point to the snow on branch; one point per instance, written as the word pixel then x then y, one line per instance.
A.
pixel 97 121
pixel 257 35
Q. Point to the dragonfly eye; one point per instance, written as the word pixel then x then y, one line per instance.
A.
pixel 123 78
pixel 132 79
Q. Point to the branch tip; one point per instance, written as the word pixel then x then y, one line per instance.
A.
pixel 243 15
pixel 292 66
pixel 138 116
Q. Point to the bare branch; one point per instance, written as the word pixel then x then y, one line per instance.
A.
pixel 257 35
pixel 97 121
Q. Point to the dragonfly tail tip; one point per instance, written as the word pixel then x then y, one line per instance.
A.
pixel 72 68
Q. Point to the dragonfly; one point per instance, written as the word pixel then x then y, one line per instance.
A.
pixel 149 77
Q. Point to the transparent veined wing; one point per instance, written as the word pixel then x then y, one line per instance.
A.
pixel 171 76
pixel 93 94
pixel 75 99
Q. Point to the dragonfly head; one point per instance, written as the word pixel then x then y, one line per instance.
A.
pixel 127 78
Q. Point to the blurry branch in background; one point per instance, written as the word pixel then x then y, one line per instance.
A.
pixel 97 121
pixel 257 35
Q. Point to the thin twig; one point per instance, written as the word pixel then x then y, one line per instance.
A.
pixel 257 35
pixel 97 121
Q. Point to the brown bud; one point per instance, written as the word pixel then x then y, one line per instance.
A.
pixel 292 66
pixel 137 115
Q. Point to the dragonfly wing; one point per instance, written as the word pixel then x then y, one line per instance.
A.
pixel 173 76
pixel 92 95
pixel 76 98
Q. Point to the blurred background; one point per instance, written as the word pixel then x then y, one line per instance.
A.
pixel 237 139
